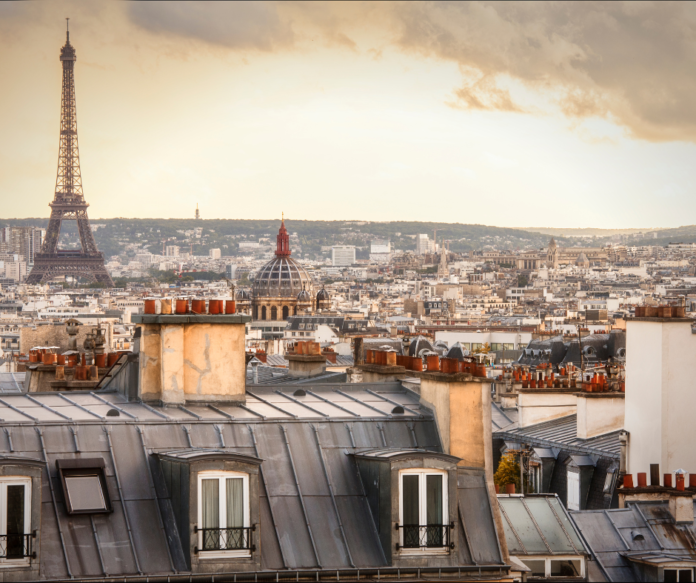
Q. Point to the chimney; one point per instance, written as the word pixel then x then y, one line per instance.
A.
pixel 599 413
pixel 461 403
pixel 191 357
pixel 307 360
pixel 660 369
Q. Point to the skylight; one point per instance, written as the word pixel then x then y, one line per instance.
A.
pixel 84 486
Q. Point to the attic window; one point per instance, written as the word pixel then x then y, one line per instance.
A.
pixel 84 486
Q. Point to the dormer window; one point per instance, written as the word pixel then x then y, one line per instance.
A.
pixel 423 521
pixel 223 514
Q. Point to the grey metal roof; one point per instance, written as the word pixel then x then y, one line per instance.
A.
pixel 563 433
pixel 279 361
pixel 11 382
pixel 539 525
pixel 272 375
pixel 617 536
pixel 502 418
pixel 283 427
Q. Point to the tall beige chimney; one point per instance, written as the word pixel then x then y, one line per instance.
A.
pixel 191 358
pixel 462 407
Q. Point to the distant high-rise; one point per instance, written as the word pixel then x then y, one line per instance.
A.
pixel 24 241
pixel 424 244
pixel 69 202
pixel 198 213
pixel 342 255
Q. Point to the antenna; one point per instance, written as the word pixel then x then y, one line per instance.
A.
pixel 67 28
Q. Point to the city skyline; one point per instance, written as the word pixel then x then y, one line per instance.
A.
pixel 373 112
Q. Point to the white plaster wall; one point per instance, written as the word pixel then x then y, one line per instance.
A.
pixel 597 416
pixel 538 407
pixel 660 395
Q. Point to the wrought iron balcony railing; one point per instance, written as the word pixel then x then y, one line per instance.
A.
pixel 17 546
pixel 429 536
pixel 226 539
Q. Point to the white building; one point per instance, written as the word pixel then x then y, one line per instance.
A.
pixel 342 255
pixel 215 253
pixel 171 251
pixel 424 244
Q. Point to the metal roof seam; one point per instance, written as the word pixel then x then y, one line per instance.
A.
pixel 299 493
pixel 332 403
pixel 333 497
pixel 560 523
pixel 273 405
pixel 362 403
pixel 107 430
pixel 53 499
pixel 119 409
pixel 96 542
pixel 514 531
pixel 270 506
pixel 155 497
pixel 536 525
pixel 3 402
pixel 79 406
pixel 616 528
pixel 393 402
pixel 302 404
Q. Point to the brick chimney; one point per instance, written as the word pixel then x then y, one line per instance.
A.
pixel 191 357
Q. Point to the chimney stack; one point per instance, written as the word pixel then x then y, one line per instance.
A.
pixel 191 357
pixel 660 401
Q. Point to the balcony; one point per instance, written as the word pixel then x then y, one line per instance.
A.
pixel 420 537
pixel 225 539
pixel 17 546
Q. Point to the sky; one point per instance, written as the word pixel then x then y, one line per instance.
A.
pixel 508 114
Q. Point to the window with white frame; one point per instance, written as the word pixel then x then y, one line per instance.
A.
pixel 223 514
pixel 15 519
pixel 423 511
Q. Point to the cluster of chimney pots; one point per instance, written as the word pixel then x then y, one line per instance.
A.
pixel 86 365
pixel 433 363
pixel 182 306
pixel 570 377
pixel 660 312
pixel 679 482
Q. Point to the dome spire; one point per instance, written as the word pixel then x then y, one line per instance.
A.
pixel 283 246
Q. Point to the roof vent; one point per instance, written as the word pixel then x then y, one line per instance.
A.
pixel 300 393
pixel 398 410
pixel 113 413
pixel 635 535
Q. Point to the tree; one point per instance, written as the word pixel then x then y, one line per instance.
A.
pixel 485 349
pixel 522 280
pixel 508 472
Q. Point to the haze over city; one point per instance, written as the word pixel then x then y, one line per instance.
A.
pixel 507 114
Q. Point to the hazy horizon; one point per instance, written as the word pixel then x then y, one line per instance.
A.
pixel 500 114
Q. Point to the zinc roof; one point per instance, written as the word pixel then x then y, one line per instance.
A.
pixel 563 433
pixel 641 530
pixel 304 441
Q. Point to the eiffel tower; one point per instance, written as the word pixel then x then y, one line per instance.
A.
pixel 69 202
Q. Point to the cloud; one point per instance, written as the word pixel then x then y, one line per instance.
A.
pixel 633 63
pixel 235 25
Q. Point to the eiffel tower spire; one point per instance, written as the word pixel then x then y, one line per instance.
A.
pixel 69 202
